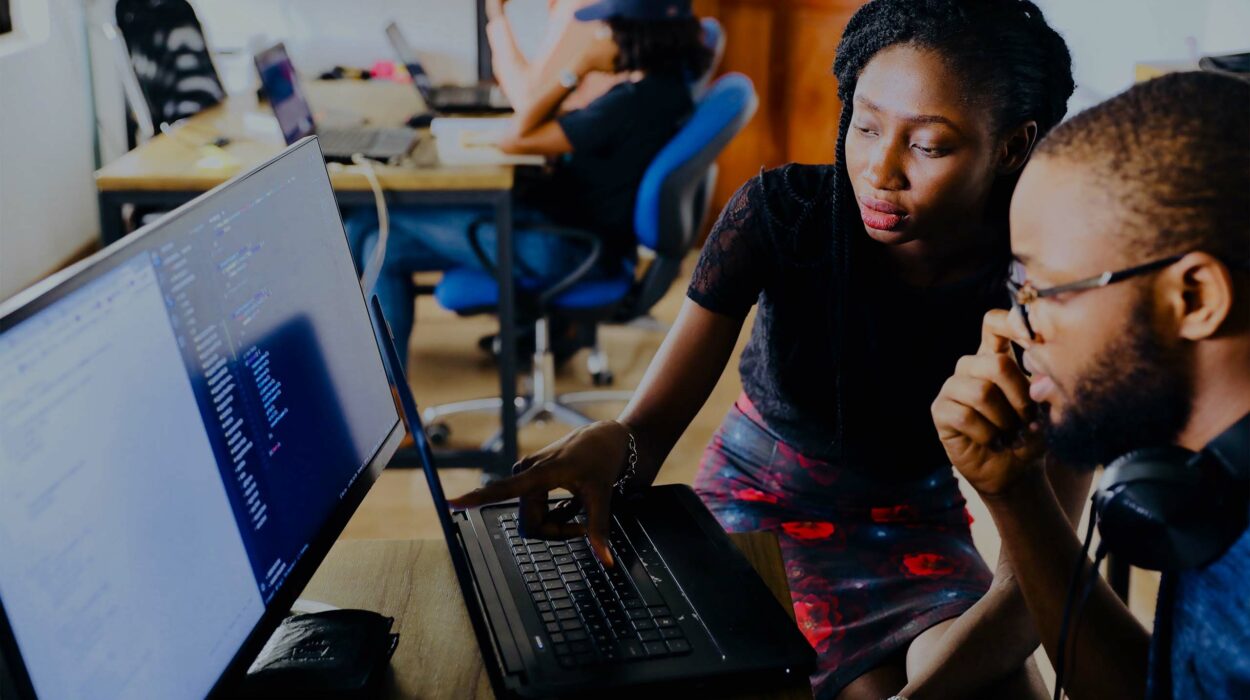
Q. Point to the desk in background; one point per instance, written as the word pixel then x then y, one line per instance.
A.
pixel 169 171
pixel 438 657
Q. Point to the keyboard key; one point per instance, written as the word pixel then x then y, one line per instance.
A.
pixel 637 614
pixel 557 593
pixel 561 559
pixel 670 633
pixel 556 637
pixel 561 604
pixel 571 624
pixel 552 583
pixel 660 610
pixel 557 549
pixel 527 568
pixel 649 635
pixel 566 661
pixel 548 576
pixel 540 557
pixel 544 607
pixel 549 617
pixel 577 636
pixel 536 588
pixel 523 559
pixel 530 578
pixel 643 625
pixel 562 649
pixel 583 659
pixel 632 650
pixel 678 646
pixel 632 602
pixel 566 569
pixel 655 648
pixel 578 645
pixel 566 615
pixel 544 566
pixel 665 622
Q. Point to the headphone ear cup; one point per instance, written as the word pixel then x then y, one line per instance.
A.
pixel 1155 510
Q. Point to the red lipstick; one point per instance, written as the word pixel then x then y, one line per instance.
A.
pixel 880 214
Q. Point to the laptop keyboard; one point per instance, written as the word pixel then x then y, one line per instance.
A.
pixel 365 141
pixel 594 615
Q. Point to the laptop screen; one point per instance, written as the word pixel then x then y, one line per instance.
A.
pixel 181 423
pixel 408 57
pixel 281 84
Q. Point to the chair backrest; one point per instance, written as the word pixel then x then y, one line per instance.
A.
pixel 169 59
pixel 714 40
pixel 677 186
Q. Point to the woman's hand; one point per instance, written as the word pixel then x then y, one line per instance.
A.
pixel 586 462
pixel 984 415
pixel 494 9
pixel 597 51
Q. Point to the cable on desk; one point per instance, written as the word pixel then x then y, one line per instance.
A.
pixel 372 269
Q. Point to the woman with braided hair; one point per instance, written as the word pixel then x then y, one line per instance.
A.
pixel 870 277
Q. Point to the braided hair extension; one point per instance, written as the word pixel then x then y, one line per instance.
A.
pixel 660 45
pixel 1012 62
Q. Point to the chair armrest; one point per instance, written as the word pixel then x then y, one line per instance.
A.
pixel 578 273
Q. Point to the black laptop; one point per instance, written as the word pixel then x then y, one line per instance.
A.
pixel 682 607
pixel 295 117
pixel 482 98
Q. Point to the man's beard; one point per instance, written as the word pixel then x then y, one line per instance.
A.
pixel 1137 393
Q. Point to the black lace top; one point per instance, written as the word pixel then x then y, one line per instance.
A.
pixel 771 246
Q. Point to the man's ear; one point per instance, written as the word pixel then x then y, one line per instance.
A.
pixel 1199 291
pixel 1016 146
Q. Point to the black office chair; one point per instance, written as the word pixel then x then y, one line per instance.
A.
pixel 164 62
pixel 672 202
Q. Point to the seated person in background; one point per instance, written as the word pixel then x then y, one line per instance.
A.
pixel 602 152
pixel 870 277
pixel 563 40
pixel 1155 181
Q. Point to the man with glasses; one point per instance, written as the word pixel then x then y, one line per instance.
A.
pixel 1131 302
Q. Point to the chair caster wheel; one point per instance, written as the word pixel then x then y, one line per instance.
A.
pixel 603 378
pixel 438 433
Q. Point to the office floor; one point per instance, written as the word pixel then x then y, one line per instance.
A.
pixel 445 365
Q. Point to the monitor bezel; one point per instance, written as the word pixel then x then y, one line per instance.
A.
pixel 34 299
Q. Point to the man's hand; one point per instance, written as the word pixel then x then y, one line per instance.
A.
pixel 984 415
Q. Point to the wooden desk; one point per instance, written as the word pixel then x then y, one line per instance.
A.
pixel 167 172
pixel 438 657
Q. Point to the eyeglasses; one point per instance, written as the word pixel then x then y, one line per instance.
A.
pixel 1023 293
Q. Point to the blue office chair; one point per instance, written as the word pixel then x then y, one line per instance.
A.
pixel 714 39
pixel 671 204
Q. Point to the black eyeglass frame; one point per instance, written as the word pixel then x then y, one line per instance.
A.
pixel 1022 295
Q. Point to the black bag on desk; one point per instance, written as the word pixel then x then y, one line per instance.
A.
pixel 332 654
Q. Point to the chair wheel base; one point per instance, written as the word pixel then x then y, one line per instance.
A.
pixel 438 433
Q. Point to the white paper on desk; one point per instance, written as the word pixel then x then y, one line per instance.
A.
pixel 470 141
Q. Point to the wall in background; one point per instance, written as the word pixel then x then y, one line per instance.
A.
pixel 47 196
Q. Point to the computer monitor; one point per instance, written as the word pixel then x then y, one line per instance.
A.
pixel 187 421
pixel 281 85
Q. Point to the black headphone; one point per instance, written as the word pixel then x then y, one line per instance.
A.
pixel 1168 509
pixel 1164 509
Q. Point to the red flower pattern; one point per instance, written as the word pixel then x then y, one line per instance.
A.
pixel 818 620
pixel 754 495
pixel 893 514
pixel 808 530
pixel 927 564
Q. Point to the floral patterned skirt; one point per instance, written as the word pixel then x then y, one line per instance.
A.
pixel 871 563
